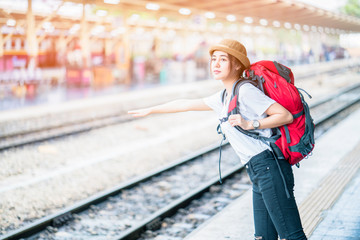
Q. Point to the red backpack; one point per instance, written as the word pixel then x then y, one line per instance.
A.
pixel 293 141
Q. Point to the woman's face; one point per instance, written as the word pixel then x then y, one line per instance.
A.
pixel 220 65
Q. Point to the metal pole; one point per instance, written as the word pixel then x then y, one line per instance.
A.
pixel 1 45
pixel 31 38
pixel 84 39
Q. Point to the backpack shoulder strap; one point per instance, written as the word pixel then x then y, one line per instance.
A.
pixel 223 95
pixel 233 106
pixel 234 109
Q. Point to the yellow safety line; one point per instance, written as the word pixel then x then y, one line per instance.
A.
pixel 323 198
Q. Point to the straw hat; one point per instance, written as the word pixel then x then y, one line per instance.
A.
pixel 233 48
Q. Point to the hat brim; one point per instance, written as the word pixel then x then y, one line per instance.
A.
pixel 239 56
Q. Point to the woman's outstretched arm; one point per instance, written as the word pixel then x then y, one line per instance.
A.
pixel 180 105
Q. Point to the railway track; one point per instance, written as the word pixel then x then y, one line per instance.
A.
pixel 159 179
pixel 53 131
pixel 48 133
pixel 82 218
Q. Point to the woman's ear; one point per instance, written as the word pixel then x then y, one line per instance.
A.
pixel 238 68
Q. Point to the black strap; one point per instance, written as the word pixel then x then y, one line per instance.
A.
pixel 282 176
pixel 223 94
pixel 283 71
pixel 224 119
pixel 219 131
pixel 288 139
pixel 298 114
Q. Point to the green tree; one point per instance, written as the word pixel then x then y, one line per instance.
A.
pixel 352 7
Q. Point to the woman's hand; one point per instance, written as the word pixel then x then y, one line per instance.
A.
pixel 237 120
pixel 180 105
pixel 140 112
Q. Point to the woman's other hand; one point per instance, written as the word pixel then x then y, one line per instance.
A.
pixel 140 112
pixel 238 120
pixel 180 105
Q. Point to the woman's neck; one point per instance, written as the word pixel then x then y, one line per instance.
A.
pixel 228 84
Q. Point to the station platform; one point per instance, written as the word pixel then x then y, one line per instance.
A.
pixel 327 189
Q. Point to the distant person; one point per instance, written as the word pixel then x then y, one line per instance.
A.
pixel 274 214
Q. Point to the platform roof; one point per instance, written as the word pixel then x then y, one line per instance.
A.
pixel 282 11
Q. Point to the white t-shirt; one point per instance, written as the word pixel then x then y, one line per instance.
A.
pixel 253 103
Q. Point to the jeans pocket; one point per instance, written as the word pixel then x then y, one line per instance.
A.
pixel 261 167
pixel 262 175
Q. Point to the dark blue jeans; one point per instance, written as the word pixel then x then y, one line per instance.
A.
pixel 274 213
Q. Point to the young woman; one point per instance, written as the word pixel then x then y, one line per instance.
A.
pixel 274 213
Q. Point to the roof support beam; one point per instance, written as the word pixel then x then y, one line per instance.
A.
pixel 48 18
pixel 244 7
pixel 5 14
pixel 283 14
pixel 216 5
pixel 18 25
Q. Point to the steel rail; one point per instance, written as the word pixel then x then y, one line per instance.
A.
pixel 336 111
pixel 171 209
pixel 335 95
pixel 91 124
pixel 19 140
pixel 66 214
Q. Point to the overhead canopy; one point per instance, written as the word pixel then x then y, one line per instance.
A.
pixel 288 12
pixel 278 13
pixel 282 11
